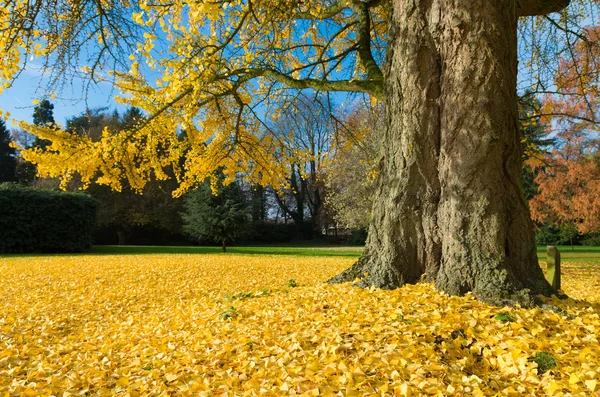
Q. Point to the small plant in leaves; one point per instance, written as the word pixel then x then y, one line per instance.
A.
pixel 505 317
pixel 544 360
pixel 229 314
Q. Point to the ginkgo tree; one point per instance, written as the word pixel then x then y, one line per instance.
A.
pixel 449 205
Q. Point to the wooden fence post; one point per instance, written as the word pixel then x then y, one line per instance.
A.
pixel 553 272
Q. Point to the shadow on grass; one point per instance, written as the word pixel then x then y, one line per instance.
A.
pixel 581 253
pixel 262 250
pixel 575 249
pixel 317 250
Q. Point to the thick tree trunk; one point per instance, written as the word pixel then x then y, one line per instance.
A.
pixel 449 206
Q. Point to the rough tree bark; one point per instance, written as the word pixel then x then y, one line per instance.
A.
pixel 449 206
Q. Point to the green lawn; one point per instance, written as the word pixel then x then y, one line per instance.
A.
pixel 251 250
pixel 578 253
pixel 568 254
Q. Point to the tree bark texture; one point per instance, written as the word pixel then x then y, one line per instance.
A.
pixel 449 206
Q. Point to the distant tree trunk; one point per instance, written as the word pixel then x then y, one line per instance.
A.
pixel 122 236
pixel 316 202
pixel 449 206
pixel 297 214
pixel 258 203
pixel 224 246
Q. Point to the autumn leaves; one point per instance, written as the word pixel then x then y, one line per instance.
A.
pixel 238 325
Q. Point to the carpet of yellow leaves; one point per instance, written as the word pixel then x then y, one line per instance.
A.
pixel 234 325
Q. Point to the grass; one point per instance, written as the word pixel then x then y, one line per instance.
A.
pixel 578 253
pixel 585 254
pixel 247 250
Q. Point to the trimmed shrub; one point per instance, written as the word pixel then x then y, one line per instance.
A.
pixel 591 239
pixel 35 220
pixel 557 235
pixel 357 237
pixel 270 232
pixel 547 235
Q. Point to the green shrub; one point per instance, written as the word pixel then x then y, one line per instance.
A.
pixel 271 232
pixel 548 234
pixel 358 237
pixel 35 220
pixel 591 240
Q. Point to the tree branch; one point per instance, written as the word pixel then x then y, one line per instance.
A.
pixel 372 87
pixel 364 41
pixel 526 8
pixel 326 13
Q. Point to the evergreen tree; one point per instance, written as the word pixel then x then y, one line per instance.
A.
pixel 535 143
pixel 43 113
pixel 90 123
pixel 8 162
pixel 220 218
pixel 131 117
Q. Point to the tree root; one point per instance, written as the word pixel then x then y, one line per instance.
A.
pixel 378 277
pixel 389 279
pixel 352 273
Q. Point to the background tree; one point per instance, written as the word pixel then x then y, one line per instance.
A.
pixel 535 141
pixel 568 178
pixel 43 113
pixel 8 162
pixel 569 188
pixel 25 172
pixel 147 217
pixel 132 117
pixel 562 65
pixel 258 203
pixel 92 122
pixel 220 218
pixel 151 217
pixel 351 169
pixel 304 129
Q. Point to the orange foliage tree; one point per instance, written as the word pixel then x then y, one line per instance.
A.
pixel 576 101
pixel 569 192
pixel 569 178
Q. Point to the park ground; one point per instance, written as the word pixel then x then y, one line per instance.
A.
pixel 168 321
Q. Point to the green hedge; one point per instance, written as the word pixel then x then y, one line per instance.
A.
pixel 35 220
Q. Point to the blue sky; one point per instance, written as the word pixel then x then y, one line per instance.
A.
pixel 72 100
pixel 31 84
